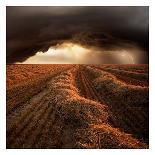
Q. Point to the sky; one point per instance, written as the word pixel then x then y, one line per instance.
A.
pixel 66 34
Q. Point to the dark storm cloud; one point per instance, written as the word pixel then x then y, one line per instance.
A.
pixel 30 29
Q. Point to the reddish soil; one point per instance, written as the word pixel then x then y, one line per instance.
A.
pixel 77 106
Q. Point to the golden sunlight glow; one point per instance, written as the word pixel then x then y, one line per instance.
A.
pixel 128 58
pixel 70 53
pixel 64 53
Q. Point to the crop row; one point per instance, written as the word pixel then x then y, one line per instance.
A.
pixel 122 100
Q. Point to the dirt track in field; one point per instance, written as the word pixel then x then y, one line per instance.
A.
pixel 50 120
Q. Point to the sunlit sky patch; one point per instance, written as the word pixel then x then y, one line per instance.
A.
pixel 70 53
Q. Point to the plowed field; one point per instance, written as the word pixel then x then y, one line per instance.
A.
pixel 77 106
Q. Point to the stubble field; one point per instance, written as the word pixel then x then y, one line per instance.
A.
pixel 77 106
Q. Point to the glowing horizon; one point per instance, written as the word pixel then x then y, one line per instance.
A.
pixel 71 53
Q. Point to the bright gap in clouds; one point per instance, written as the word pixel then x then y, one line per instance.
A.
pixel 66 53
pixel 70 53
